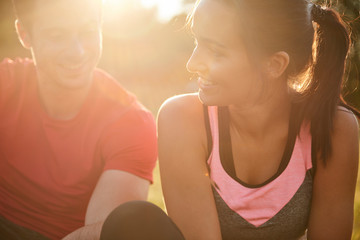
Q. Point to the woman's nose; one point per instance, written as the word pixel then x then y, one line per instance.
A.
pixel 196 62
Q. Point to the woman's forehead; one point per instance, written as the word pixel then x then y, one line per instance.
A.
pixel 215 19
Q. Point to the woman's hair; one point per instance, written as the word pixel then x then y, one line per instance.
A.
pixel 317 42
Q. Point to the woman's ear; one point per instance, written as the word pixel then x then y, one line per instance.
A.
pixel 23 35
pixel 277 64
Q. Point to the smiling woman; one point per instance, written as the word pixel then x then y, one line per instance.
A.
pixel 248 156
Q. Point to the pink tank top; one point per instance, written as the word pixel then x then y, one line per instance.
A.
pixel 258 205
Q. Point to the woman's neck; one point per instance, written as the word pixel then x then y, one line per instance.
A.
pixel 262 118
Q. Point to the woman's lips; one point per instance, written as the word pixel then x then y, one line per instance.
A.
pixel 205 84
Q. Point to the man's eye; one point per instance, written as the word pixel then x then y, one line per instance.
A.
pixel 56 35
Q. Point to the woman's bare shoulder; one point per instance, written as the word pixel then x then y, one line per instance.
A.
pixel 344 140
pixel 346 116
pixel 181 126
pixel 179 109
pixel 346 126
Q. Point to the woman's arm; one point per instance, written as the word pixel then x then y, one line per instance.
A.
pixel 334 184
pixel 182 156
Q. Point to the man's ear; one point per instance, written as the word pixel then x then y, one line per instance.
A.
pixel 23 35
pixel 277 64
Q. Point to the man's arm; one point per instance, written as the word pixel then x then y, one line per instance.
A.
pixel 113 188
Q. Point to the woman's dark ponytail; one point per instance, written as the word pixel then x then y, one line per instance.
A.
pixel 331 48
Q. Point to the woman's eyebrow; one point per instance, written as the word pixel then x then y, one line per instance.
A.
pixel 206 39
pixel 212 42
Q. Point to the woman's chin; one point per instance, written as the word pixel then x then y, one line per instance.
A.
pixel 209 99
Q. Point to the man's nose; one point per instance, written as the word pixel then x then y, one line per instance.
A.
pixel 75 49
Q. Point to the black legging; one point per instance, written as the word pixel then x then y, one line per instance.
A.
pixel 12 231
pixel 138 220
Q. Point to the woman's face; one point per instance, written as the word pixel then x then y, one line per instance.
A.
pixel 225 74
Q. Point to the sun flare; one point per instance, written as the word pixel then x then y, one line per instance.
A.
pixel 166 9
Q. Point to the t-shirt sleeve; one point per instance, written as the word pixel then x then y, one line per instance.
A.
pixel 130 144
pixel 12 74
pixel 5 66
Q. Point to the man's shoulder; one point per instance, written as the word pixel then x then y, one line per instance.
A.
pixel 16 64
pixel 14 74
pixel 10 67
pixel 110 90
pixel 122 103
pixel 17 70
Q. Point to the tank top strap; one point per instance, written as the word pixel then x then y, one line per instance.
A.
pixel 212 129
pixel 208 130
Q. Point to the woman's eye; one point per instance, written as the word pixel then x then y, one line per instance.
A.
pixel 215 52
pixel 207 48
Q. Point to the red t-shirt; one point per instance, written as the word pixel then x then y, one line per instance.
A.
pixel 49 168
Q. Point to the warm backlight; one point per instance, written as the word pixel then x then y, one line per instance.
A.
pixel 166 9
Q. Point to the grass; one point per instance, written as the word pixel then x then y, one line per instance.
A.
pixel 155 193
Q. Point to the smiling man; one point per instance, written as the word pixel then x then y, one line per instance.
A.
pixel 74 144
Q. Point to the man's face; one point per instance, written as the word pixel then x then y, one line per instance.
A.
pixel 65 40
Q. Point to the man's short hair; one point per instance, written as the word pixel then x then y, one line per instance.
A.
pixel 24 9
